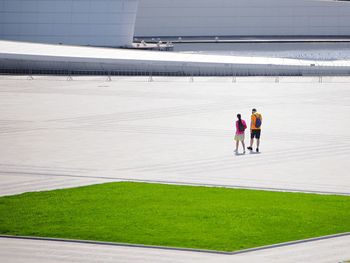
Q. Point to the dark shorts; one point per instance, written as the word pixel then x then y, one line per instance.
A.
pixel 255 134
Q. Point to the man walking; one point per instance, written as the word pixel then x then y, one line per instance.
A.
pixel 255 129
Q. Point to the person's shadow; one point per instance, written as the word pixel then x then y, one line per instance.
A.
pixel 252 152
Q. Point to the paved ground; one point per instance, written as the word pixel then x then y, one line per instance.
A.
pixel 15 251
pixel 56 133
pixel 63 133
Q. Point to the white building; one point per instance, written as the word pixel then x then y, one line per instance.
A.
pixel 243 18
pixel 112 22
pixel 77 22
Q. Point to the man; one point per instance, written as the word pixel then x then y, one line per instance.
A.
pixel 255 129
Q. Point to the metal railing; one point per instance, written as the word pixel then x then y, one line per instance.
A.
pixel 184 72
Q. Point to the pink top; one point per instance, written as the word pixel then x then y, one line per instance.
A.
pixel 237 130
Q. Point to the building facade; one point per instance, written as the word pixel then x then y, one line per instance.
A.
pixel 243 18
pixel 70 22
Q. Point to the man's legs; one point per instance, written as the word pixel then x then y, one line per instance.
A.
pixel 258 140
pixel 257 144
pixel 251 141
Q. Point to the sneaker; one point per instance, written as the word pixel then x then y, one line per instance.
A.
pixel 250 148
pixel 257 150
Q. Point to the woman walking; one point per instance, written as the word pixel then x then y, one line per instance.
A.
pixel 240 128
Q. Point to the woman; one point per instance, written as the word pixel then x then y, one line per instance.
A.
pixel 240 128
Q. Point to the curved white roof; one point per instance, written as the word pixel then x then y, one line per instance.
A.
pixel 91 58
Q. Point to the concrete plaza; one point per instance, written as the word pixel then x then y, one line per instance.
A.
pixel 58 132
pixel 33 251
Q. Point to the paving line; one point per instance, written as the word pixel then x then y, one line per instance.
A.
pixel 152 113
pixel 216 179
pixel 277 160
pixel 225 162
pixel 113 244
pixel 179 182
pixel 31 181
pixel 166 130
pixel 44 182
pixel 163 130
pixel 45 168
pixel 115 92
pixel 290 243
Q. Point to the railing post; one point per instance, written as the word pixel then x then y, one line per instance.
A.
pixel 69 77
pixel 30 77
pixel 109 76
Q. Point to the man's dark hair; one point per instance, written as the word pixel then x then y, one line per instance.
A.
pixel 254 110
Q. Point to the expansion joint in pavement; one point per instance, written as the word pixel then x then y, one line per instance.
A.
pixel 175 248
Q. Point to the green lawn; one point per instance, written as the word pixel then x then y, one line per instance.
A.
pixel 178 216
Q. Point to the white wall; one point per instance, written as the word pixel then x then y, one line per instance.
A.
pixel 79 22
pixel 242 17
pixel 28 58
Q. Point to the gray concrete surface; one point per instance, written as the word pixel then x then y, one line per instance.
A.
pixel 17 250
pixel 56 133
pixel 60 133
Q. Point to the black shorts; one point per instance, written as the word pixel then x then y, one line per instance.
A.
pixel 255 134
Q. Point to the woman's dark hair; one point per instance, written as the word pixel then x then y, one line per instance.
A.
pixel 240 123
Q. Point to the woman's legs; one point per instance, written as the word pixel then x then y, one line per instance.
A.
pixel 237 143
pixel 243 146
